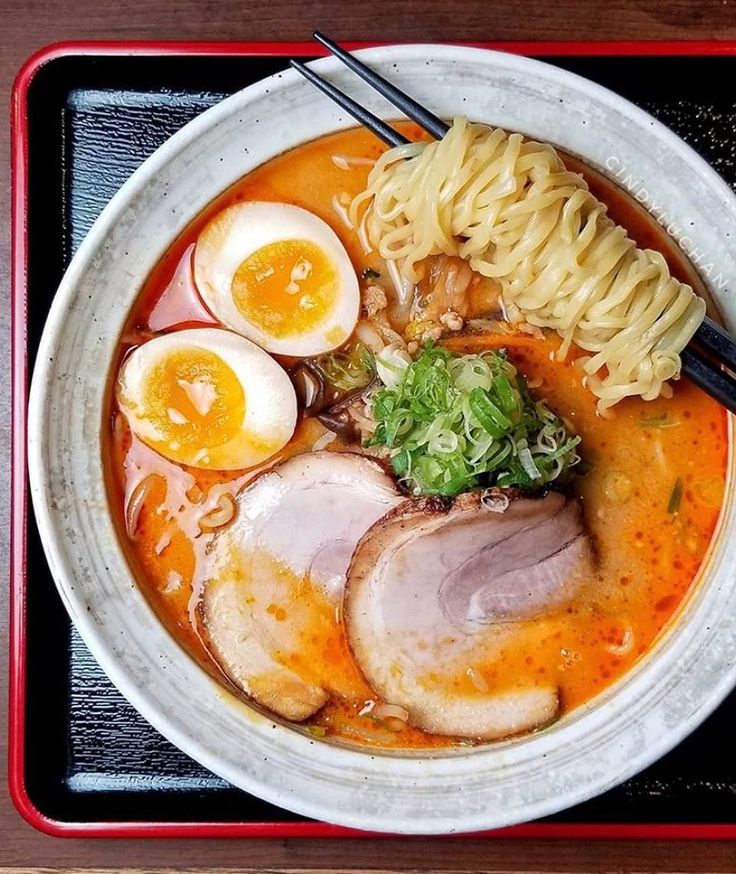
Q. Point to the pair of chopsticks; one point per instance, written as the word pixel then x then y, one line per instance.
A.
pixel 711 349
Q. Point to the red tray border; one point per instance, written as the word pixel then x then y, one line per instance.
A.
pixel 19 492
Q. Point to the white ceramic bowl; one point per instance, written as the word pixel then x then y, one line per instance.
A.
pixel 687 673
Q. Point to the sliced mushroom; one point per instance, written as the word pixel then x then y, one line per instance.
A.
pixel 431 588
pixel 309 386
pixel 275 577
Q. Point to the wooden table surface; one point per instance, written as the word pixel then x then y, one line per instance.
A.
pixel 26 25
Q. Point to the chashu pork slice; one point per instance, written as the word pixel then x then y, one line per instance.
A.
pixel 248 660
pixel 432 587
pixel 275 577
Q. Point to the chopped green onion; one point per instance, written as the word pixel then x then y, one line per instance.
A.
pixel 505 394
pixel 391 362
pixel 401 463
pixel 349 369
pixel 487 413
pixel 527 462
pixel 673 507
pixel 370 273
pixel 458 422
pixel 661 421
pixel 367 358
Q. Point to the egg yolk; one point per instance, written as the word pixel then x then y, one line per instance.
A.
pixel 286 288
pixel 196 402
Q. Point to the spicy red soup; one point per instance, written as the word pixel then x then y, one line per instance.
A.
pixel 650 485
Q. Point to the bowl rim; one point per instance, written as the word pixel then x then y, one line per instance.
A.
pixel 53 538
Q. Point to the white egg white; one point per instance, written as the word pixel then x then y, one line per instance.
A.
pixel 270 400
pixel 244 228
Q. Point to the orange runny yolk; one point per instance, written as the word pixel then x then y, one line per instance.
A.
pixel 195 401
pixel 286 288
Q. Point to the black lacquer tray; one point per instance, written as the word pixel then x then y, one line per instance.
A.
pixel 83 761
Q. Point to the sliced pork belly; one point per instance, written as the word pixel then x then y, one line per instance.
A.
pixel 433 589
pixel 249 661
pixel 275 577
pixel 517 563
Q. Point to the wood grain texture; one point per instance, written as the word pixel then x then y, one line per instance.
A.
pixel 379 857
pixel 25 27
pixel 336 870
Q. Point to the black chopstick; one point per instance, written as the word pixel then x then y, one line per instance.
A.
pixel 709 338
pixel 411 109
pixel 717 342
pixel 382 130
pixel 708 375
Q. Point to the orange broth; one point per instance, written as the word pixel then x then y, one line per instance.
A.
pixel 650 545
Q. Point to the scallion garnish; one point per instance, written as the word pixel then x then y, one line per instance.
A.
pixel 352 368
pixel 661 421
pixel 457 422
pixel 673 507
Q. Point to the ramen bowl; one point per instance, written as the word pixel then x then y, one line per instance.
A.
pixel 681 679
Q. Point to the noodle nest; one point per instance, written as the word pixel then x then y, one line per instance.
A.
pixel 517 215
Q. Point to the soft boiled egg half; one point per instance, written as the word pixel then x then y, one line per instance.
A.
pixel 280 276
pixel 207 398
